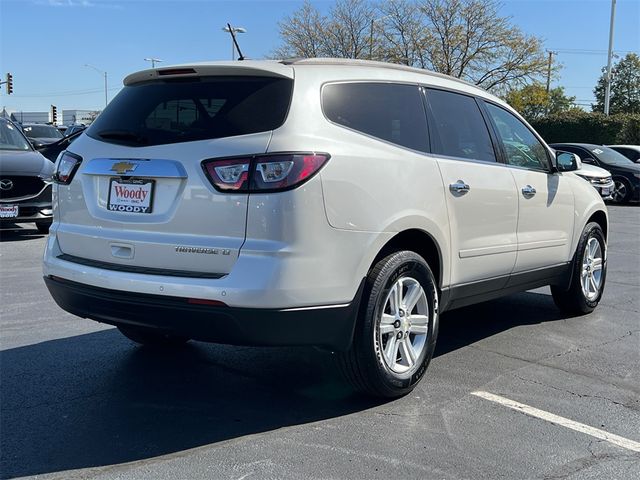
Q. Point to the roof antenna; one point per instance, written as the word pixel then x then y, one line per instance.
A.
pixel 233 37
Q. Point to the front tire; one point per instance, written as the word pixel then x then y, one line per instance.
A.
pixel 396 328
pixel 621 191
pixel 152 338
pixel 588 274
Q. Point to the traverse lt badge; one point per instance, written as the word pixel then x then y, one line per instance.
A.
pixel 122 168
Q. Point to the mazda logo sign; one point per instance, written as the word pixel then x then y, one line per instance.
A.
pixel 6 184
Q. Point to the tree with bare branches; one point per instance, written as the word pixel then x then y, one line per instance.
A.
pixel 466 39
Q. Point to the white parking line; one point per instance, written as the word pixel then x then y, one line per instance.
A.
pixel 558 420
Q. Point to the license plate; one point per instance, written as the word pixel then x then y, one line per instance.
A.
pixel 605 191
pixel 8 211
pixel 133 195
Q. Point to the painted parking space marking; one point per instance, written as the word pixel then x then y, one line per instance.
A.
pixel 562 421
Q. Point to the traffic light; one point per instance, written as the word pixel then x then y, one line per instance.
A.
pixel 9 84
pixel 54 114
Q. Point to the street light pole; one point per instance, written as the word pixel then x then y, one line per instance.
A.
pixel 105 81
pixel 153 61
pixel 234 30
pixel 610 55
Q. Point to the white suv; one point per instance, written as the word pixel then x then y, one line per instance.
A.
pixel 337 203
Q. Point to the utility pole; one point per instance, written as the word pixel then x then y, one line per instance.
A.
pixel 371 40
pixel 551 54
pixel 610 55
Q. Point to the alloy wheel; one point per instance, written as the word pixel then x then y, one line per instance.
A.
pixel 403 325
pixel 619 191
pixel 591 273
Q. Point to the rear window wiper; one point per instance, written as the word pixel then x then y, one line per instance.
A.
pixel 124 135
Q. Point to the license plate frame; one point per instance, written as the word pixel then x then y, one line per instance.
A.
pixel 9 211
pixel 137 206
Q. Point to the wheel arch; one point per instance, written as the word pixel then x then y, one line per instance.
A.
pixel 601 219
pixel 419 242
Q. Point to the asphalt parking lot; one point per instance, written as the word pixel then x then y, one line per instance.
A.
pixel 78 400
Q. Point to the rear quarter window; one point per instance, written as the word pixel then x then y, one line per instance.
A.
pixel 390 112
pixel 162 112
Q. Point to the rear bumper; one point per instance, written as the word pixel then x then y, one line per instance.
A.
pixel 325 326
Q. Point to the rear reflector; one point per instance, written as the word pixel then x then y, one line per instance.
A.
pixel 263 173
pixel 204 301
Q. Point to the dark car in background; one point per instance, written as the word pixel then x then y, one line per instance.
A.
pixel 52 150
pixel 25 180
pixel 632 152
pixel 625 173
pixel 76 127
pixel 40 134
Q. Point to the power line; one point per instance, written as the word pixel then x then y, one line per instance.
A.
pixel 582 51
pixel 63 94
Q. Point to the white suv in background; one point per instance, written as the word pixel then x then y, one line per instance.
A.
pixel 337 203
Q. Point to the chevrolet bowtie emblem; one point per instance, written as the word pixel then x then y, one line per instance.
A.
pixel 123 167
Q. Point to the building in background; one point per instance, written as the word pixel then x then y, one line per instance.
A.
pixel 68 117
pixel 30 117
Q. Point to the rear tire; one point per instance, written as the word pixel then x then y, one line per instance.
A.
pixel 588 274
pixel 396 329
pixel 43 227
pixel 150 337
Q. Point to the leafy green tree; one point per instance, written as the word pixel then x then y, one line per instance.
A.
pixel 625 87
pixel 533 101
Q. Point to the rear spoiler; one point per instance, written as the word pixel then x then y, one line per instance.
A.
pixel 250 68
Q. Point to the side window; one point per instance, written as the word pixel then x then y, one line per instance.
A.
pixel 390 112
pixel 583 154
pixel 522 147
pixel 459 128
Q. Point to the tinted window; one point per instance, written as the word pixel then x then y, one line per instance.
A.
pixel 627 152
pixel 394 113
pixel 163 112
pixel 521 146
pixel 11 138
pixel 609 156
pixel 41 131
pixel 460 130
pixel 584 156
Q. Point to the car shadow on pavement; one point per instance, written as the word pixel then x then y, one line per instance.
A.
pixel 465 326
pixel 96 399
pixel 13 233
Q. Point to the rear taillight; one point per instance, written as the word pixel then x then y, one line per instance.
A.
pixel 66 167
pixel 263 173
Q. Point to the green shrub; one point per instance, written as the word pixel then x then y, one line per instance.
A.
pixel 586 127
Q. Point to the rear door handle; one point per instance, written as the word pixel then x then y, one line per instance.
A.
pixel 528 191
pixel 459 187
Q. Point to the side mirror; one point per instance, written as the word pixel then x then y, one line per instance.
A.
pixel 568 162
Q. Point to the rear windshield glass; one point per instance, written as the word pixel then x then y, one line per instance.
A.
pixel 164 112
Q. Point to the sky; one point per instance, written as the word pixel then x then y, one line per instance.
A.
pixel 46 44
